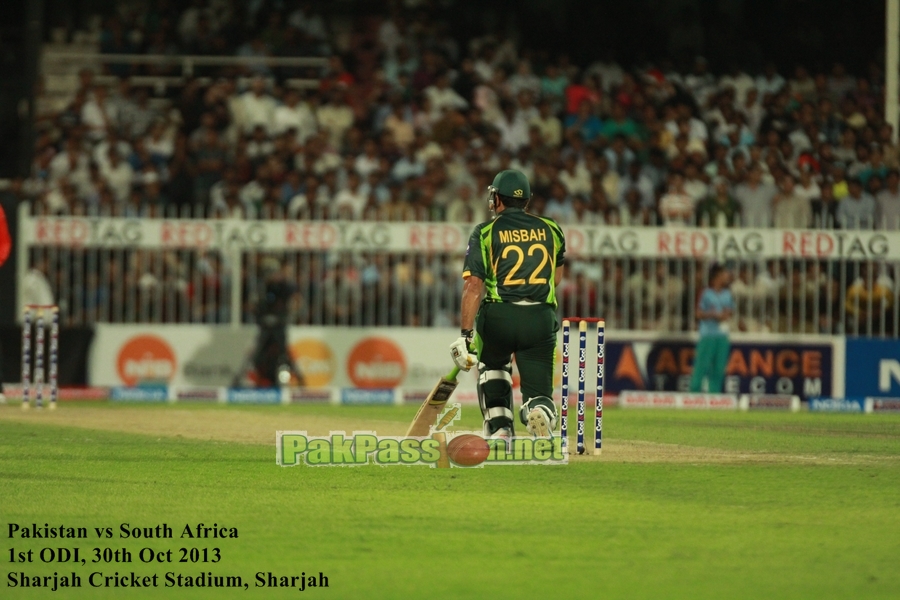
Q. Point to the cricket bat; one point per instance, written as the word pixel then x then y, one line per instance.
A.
pixel 433 405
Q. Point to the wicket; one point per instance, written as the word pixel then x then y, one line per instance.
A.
pixel 37 311
pixel 564 409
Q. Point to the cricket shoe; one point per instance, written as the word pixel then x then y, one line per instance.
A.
pixel 541 422
pixel 504 434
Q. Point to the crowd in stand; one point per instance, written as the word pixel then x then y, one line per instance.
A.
pixel 409 123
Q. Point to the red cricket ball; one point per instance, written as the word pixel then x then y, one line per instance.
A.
pixel 468 450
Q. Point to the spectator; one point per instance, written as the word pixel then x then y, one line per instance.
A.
pixel 99 115
pixel 397 208
pixel 662 294
pixel 399 124
pixel 525 108
pixel 770 82
pixel 553 87
pixel 71 163
pixel 465 208
pixel 369 161
pixel 656 169
pixel 857 210
pixel 676 207
pixel 335 118
pixel 792 211
pixel 294 116
pixel 577 294
pixel 466 79
pixel 574 177
pixel 875 168
pixel 619 124
pixel 513 130
pixel 755 199
pixel 584 122
pixel 36 288
pixel 160 142
pixel 718 209
pixel 846 151
pixel 869 301
pixel 560 206
pixel 753 111
pixel 637 180
pixel 524 80
pixel 619 155
pixel 119 175
pixel 586 213
pixel 839 184
pixel 737 80
pixel 684 121
pixel 259 146
pixel 887 210
pixel 152 195
pixel 694 186
pixel 136 118
pixel 840 84
pixel 408 166
pixel 350 200
pixel 257 108
pixel 254 192
pixel 442 96
pixel 209 166
pixel 802 85
pixel 605 179
pixel 630 212
pixel 824 208
pixel 579 93
pixel 700 81
pixel 549 127
pixel 807 187
pixel 375 188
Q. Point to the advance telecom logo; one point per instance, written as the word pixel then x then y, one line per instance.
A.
pixel 442 449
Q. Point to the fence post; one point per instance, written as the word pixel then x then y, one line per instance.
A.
pixel 236 286
pixel 23 233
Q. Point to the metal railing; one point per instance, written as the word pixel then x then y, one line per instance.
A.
pixel 188 66
pixel 181 266
pixel 188 63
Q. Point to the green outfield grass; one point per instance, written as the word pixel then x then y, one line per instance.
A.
pixel 805 506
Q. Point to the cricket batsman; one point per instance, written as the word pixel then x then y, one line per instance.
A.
pixel 512 267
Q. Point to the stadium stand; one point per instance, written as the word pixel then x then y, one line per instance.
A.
pixel 388 117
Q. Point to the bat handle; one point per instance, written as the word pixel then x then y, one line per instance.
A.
pixel 453 373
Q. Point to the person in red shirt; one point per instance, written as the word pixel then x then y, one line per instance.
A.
pixel 5 240
pixel 5 247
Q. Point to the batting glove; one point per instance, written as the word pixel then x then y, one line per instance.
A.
pixel 461 351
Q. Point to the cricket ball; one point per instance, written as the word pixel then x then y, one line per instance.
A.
pixel 468 450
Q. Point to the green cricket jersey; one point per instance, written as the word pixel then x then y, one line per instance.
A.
pixel 516 255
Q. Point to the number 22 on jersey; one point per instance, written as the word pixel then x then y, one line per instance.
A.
pixel 512 278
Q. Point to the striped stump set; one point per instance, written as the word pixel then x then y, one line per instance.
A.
pixel 582 375
pixel 34 317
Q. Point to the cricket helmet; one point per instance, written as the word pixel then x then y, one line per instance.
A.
pixel 511 183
